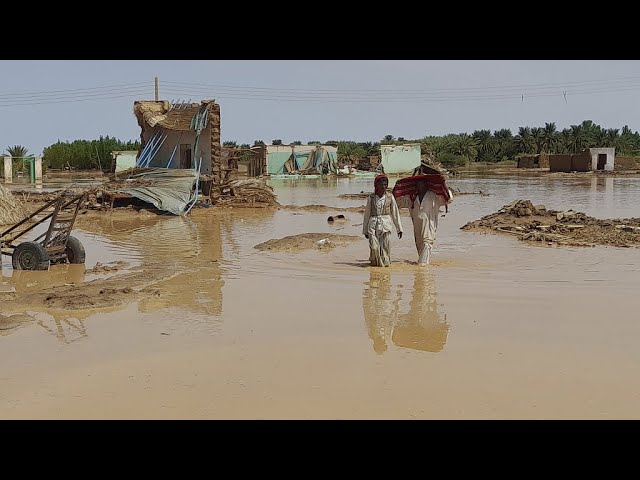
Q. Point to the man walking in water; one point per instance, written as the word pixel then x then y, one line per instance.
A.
pixel 380 214
pixel 424 208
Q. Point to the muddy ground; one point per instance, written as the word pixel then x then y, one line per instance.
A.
pixel 96 294
pixel 534 223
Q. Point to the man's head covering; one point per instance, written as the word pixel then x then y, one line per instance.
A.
pixel 380 178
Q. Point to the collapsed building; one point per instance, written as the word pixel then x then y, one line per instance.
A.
pixel 181 160
pixel 182 136
pixel 301 159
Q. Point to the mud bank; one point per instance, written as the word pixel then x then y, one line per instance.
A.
pixel 321 208
pixel 306 241
pixel 355 196
pixel 534 223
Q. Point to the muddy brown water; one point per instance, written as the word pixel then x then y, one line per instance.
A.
pixel 493 329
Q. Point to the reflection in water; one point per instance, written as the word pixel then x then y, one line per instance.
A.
pixel 64 328
pixel 180 271
pixel 23 281
pixel 421 328
pixel 380 309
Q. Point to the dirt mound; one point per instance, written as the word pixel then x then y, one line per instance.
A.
pixel 537 224
pixel 306 241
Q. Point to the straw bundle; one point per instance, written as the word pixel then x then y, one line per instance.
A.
pixel 12 209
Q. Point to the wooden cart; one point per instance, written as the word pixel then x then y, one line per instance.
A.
pixel 56 245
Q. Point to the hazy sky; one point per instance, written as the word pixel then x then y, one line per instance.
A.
pixel 43 101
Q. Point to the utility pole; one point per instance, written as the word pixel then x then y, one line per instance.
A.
pixel 156 89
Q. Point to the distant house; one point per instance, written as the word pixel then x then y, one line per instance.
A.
pixel 123 160
pixel 400 158
pixel 185 136
pixel 588 160
pixel 285 159
pixel 603 158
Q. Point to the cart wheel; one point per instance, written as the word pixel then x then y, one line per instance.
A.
pixel 30 256
pixel 74 251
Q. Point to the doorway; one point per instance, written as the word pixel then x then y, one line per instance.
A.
pixel 602 160
pixel 185 156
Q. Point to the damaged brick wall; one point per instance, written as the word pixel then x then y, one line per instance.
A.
pixel 560 163
pixel 581 162
pixel 216 146
pixel 526 161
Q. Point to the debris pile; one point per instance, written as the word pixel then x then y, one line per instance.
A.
pixel 534 223
pixel 250 192
pixel 235 193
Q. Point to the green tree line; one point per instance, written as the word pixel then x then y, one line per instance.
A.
pixel 85 154
pixel 499 145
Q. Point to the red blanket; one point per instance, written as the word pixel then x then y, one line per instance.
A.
pixel 407 186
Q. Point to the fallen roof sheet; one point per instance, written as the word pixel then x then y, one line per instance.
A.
pixel 170 190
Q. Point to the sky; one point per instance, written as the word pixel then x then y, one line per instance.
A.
pixel 42 102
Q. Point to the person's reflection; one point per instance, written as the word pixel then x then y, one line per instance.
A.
pixel 380 310
pixel 421 328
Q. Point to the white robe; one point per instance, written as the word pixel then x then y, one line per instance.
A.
pixel 379 228
pixel 425 221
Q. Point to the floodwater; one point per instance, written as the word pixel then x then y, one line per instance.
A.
pixel 493 329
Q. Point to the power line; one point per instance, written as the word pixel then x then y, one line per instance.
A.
pixel 396 99
pixel 72 100
pixel 185 89
pixel 71 90
pixel 410 91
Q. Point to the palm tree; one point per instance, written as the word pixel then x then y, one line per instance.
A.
pixel 349 152
pixel 277 141
pixel 434 145
pixel 17 151
pixel 505 144
pixel 464 146
pixel 524 140
pixel 550 137
pixel 486 144
pixel 578 139
pixel 388 139
pixel 537 134
pixel 611 136
pixel 230 144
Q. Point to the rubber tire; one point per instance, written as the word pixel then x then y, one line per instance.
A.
pixel 30 256
pixel 74 251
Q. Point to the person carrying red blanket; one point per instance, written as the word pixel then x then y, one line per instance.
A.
pixel 424 196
